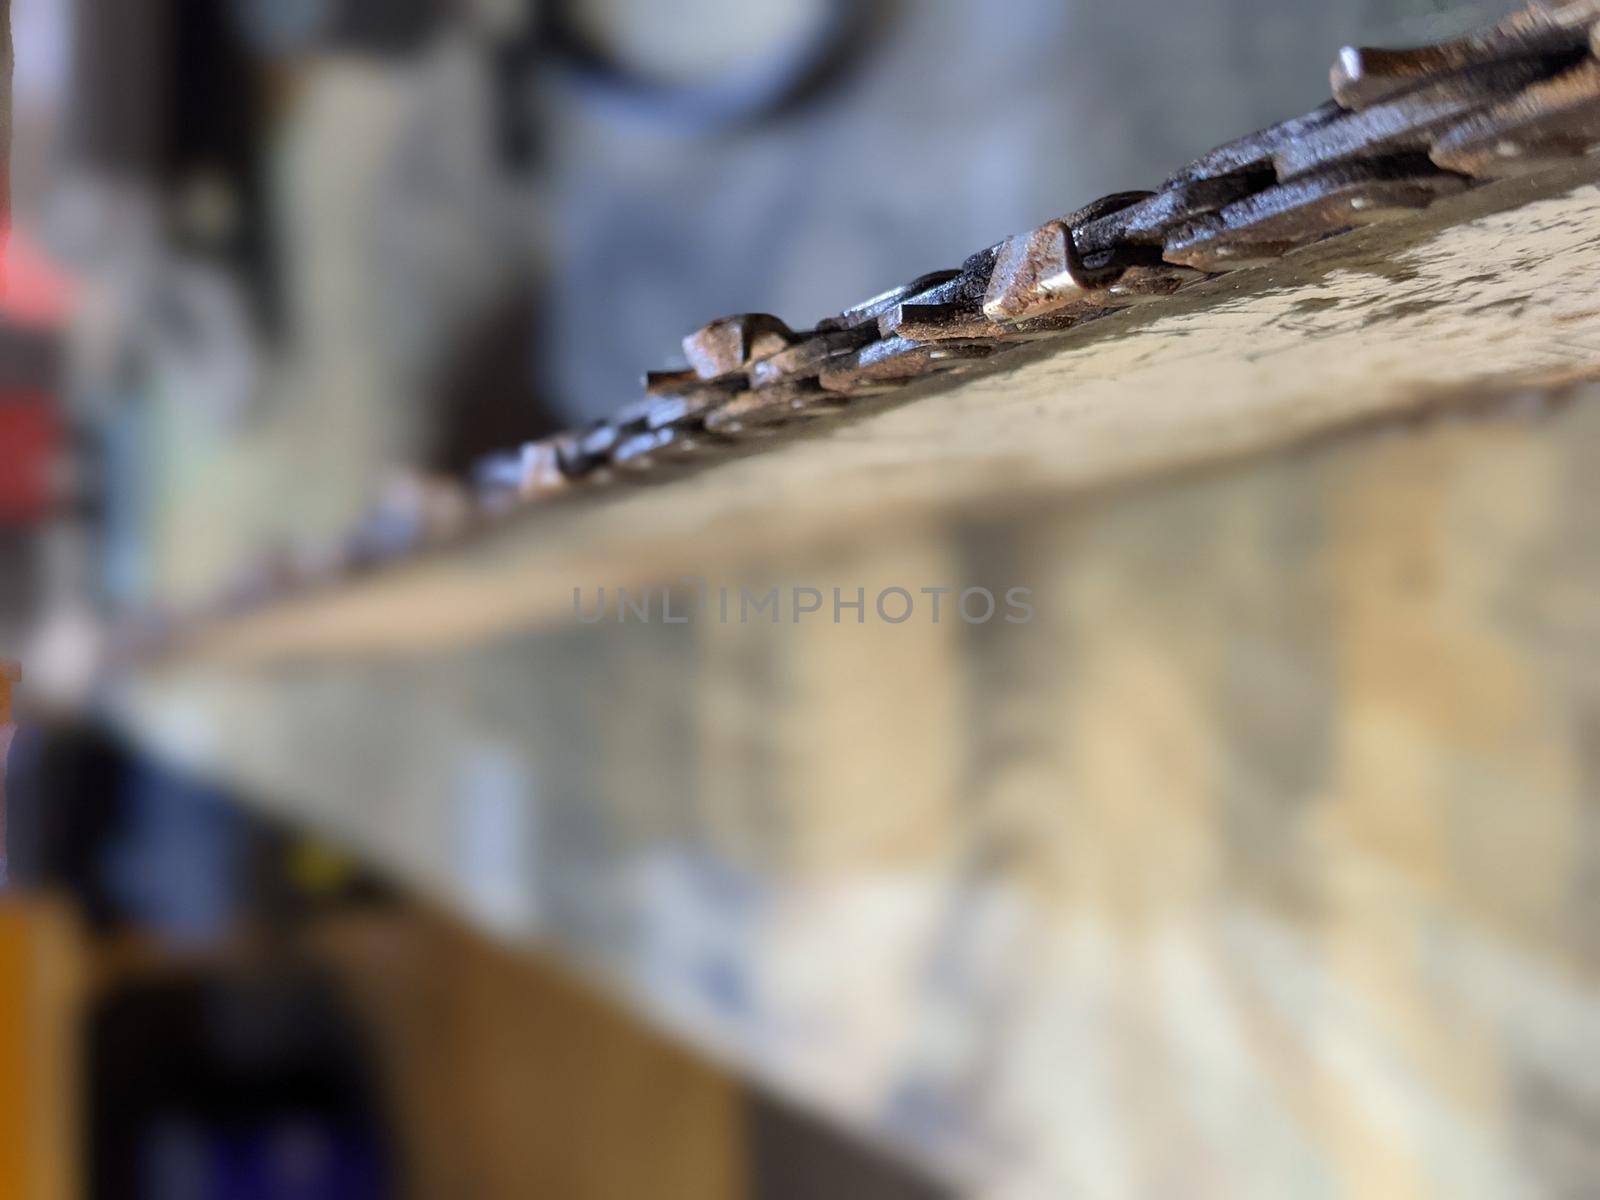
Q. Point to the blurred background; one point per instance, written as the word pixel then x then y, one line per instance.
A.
pixel 273 261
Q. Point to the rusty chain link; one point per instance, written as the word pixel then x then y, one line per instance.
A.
pixel 1405 127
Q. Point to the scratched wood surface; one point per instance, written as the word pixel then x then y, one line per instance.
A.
pixel 1265 861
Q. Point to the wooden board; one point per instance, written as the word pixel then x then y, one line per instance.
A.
pixel 1260 862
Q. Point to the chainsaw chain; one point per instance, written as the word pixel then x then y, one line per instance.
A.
pixel 1404 128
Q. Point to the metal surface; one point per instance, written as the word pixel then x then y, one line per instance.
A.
pixel 1406 128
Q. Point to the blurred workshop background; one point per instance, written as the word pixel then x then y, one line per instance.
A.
pixel 273 261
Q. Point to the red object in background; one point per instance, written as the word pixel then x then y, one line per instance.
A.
pixel 33 293
pixel 30 434
pixel 34 301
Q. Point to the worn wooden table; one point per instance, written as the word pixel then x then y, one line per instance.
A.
pixel 1263 860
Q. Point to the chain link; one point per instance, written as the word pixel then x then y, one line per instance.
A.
pixel 1405 128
